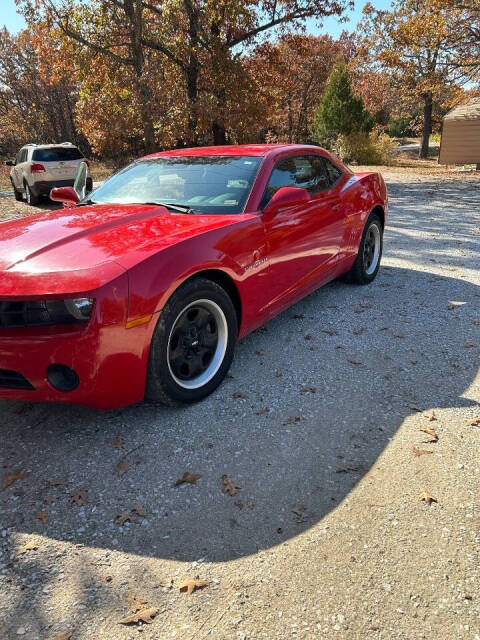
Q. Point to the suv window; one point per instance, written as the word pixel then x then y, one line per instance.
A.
pixel 56 154
pixel 333 171
pixel 22 156
pixel 307 172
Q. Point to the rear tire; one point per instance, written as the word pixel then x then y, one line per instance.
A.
pixel 367 263
pixel 31 198
pixel 193 344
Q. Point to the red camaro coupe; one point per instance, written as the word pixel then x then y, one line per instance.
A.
pixel 141 289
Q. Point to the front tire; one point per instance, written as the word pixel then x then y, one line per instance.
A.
pixel 367 263
pixel 193 344
pixel 16 193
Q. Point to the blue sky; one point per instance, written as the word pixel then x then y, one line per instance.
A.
pixel 14 22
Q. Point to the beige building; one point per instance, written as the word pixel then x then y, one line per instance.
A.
pixel 460 142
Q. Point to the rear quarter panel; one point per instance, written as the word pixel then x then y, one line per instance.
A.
pixel 360 195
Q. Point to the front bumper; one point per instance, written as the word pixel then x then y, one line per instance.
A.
pixel 110 360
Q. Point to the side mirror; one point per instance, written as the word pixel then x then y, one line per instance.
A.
pixel 80 184
pixel 10 163
pixel 67 195
pixel 287 197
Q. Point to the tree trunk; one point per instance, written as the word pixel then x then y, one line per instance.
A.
pixel 427 124
pixel 191 72
pixel 219 133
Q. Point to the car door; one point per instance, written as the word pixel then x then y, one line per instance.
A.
pixel 303 240
pixel 17 172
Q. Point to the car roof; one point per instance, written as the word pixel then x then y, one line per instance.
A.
pixel 235 150
pixel 48 146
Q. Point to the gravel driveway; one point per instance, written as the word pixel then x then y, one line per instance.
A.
pixel 319 424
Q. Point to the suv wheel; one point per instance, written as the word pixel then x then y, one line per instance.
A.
pixel 32 199
pixel 16 192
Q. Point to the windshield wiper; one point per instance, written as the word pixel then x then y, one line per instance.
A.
pixel 176 207
pixel 85 203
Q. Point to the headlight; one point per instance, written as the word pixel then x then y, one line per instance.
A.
pixel 29 313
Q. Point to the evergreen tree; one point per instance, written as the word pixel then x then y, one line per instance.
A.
pixel 339 111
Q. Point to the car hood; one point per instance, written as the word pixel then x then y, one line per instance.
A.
pixel 90 245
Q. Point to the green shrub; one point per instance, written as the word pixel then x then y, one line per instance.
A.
pixel 400 127
pixel 364 148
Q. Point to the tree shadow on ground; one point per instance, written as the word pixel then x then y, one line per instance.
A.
pixel 323 388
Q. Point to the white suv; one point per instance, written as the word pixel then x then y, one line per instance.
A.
pixel 40 167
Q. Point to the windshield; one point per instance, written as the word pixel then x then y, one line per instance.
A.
pixel 205 184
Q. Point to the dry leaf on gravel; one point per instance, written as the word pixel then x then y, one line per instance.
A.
pixel 299 511
pixel 398 335
pixel 431 416
pixel 353 361
pixel 308 336
pixel 229 487
pixel 122 517
pixel 31 545
pixel 42 515
pixel 292 420
pixel 117 443
pixel 260 352
pixel 50 499
pixel 414 407
pixel 62 635
pixel 298 316
pixel 9 478
pixel 190 585
pixel 144 615
pixel 139 509
pixel 250 504
pixel 261 412
pixel 240 394
pixel 469 345
pixel 123 466
pixel 190 478
pixel 474 422
pixel 308 389
pixel 431 433
pixel 420 452
pixel 56 483
pixel 135 604
pixel 278 373
pixel 329 332
pixel 426 496
pixel 79 497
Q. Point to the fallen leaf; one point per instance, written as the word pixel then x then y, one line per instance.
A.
pixel 299 511
pixel 292 420
pixel 250 504
pixel 308 336
pixel 260 352
pixel 56 483
pixel 414 407
pixel 278 374
pixel 260 412
pixel 238 504
pixel 308 389
pixel 139 509
pixel 190 478
pixel 79 496
pixel 431 416
pixel 31 545
pixel 123 466
pixel 298 316
pixel 229 487
pixel 190 585
pixel 117 443
pixel 145 615
pixel 9 478
pixel 62 635
pixel 135 604
pixel 352 361
pixel 420 452
pixel 329 332
pixel 240 394
pixel 474 422
pixel 469 345
pixel 42 515
pixel 398 335
pixel 50 499
pixel 348 469
pixel 431 433
pixel 121 518
pixel 358 332
pixel 426 497
pixel 413 361
pixel 451 306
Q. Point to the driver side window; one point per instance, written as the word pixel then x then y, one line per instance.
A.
pixel 297 171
